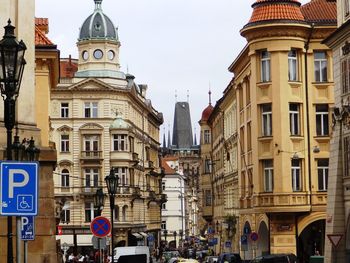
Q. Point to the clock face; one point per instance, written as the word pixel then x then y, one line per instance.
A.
pixel 85 55
pixel 111 54
pixel 98 54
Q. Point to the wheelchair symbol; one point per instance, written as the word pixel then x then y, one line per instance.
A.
pixel 24 202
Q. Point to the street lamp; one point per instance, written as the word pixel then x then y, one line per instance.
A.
pixel 112 184
pixel 11 71
pixel 99 201
pixel 175 238
pixel 165 234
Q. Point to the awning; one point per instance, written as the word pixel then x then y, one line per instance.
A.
pixel 143 234
pixel 137 235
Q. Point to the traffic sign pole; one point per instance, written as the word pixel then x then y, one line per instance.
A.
pixel 18 239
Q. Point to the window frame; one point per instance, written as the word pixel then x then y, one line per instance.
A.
pixel 318 70
pixel 293 65
pixel 91 109
pixel 266 119
pixel 120 142
pixel 91 177
pixel 268 175
pixel 322 119
pixel 65 178
pixel 296 175
pixel 91 210
pixel 64 143
pixel 65 216
pixel 123 175
pixel 265 66
pixel 64 110
pixel 322 174
pixel 294 119
pixel 206 136
pixel 91 144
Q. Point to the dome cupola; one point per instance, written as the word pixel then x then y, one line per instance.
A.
pixel 98 26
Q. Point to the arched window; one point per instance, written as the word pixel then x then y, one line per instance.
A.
pixel 65 178
pixel 116 213
pixel 125 210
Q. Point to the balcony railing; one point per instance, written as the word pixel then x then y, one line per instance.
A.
pixel 91 154
pixel 135 157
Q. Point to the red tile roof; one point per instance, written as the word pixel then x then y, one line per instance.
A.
pixel 320 11
pixel 167 168
pixel 68 67
pixel 41 29
pixel 206 113
pixel 267 10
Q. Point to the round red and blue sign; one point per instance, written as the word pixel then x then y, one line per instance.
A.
pixel 100 226
pixel 254 236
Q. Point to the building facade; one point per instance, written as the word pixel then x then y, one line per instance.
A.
pixel 284 85
pixel 101 120
pixel 173 211
pixel 21 14
pixel 338 206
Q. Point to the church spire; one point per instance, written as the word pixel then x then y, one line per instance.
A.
pixel 169 143
pixel 164 142
pixel 195 136
pixel 209 96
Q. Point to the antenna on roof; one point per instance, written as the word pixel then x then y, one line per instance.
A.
pixel 175 95
pixel 127 68
pixel 188 96
pixel 209 96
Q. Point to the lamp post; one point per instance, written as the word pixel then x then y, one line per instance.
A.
pixel 175 238
pixel 11 70
pixel 112 184
pixel 99 201
pixel 165 234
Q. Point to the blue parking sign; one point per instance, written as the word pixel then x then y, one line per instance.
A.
pixel 19 188
pixel 27 228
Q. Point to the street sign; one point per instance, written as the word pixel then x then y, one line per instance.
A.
pixel 212 242
pixel 19 188
pixel 103 242
pixel 150 238
pixel 210 230
pixel 100 226
pixel 254 236
pixel 228 244
pixel 335 239
pixel 27 228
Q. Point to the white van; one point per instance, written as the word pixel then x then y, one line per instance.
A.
pixel 128 253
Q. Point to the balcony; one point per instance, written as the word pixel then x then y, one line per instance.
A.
pixel 91 155
pixel 135 157
pixel 150 165
pixel 152 195
pixel 123 190
pixel 282 202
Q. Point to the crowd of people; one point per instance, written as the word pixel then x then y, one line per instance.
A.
pixel 91 258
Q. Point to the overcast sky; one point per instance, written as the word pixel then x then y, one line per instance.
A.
pixel 171 45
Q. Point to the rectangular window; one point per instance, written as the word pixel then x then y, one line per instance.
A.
pixel 345 76
pixel 163 185
pixel 89 211
pixel 91 145
pixel 163 206
pixel 64 110
pixel 265 66
pixel 207 166
pixel 320 63
pixel 206 136
pixel 294 119
pixel 346 8
pixel 207 198
pixel 65 215
pixel 347 156
pixel 268 175
pixel 266 119
pixel 122 173
pixel 240 95
pixel 90 109
pixel 249 136
pixel 163 226
pixel 247 88
pixel 322 170
pixel 91 177
pixel 119 142
pixel 65 178
pixel 292 65
pixel 64 143
pixel 296 175
pixel 322 122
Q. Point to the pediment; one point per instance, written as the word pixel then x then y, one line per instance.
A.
pixel 91 126
pixel 64 128
pixel 91 84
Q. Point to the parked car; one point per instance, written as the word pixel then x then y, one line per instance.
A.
pixel 187 260
pixel 211 259
pixel 276 258
pixel 230 257
pixel 128 254
pixel 170 254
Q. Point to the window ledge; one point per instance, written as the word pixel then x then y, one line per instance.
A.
pixel 322 84
pixel 322 138
pixel 296 137
pixel 264 84
pixel 265 138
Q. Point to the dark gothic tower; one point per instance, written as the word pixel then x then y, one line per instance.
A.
pixel 182 131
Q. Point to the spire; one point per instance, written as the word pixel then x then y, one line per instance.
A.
pixel 209 96
pixel 169 143
pixel 175 95
pixel 164 142
pixel 98 4
pixel 195 136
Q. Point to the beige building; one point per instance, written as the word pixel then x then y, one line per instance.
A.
pixel 284 86
pixel 338 206
pixel 43 248
pixel 102 120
